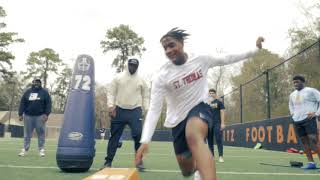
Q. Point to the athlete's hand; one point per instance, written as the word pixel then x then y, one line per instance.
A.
pixel 259 42
pixel 112 111
pixel 143 149
pixel 311 115
pixel 45 118
pixel 144 112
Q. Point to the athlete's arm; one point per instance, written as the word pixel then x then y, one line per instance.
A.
pixel 317 97
pixel 157 95
pixel 230 59
pixel 156 100
pixel 291 106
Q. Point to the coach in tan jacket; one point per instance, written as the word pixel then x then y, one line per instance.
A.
pixel 128 94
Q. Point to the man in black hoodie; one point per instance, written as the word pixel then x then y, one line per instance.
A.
pixel 35 107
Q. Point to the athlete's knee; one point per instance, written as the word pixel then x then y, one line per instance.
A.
pixel 304 140
pixel 193 138
pixel 313 139
pixel 196 131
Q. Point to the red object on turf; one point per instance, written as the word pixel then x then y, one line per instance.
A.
pixel 292 150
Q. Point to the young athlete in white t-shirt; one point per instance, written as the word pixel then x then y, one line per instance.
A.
pixel 304 109
pixel 182 82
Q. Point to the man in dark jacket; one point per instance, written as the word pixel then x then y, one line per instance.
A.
pixel 35 107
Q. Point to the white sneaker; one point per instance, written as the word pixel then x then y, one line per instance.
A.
pixel 22 153
pixel 41 153
pixel 197 176
pixel 221 159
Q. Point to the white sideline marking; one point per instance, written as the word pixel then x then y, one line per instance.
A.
pixel 172 154
pixel 27 167
pixel 173 171
pixel 226 149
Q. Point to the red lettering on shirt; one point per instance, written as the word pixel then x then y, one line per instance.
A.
pixel 188 79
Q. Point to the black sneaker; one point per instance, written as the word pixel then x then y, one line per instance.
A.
pixel 140 167
pixel 119 145
pixel 107 164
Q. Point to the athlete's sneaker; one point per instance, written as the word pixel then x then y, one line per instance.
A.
pixel 197 176
pixel 221 159
pixel 41 153
pixel 140 167
pixel 107 164
pixel 310 165
pixel 23 153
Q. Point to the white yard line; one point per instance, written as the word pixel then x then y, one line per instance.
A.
pixel 172 154
pixel 176 171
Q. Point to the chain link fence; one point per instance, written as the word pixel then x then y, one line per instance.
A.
pixel 267 95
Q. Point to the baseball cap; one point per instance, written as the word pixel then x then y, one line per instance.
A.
pixel 133 61
pixel 37 80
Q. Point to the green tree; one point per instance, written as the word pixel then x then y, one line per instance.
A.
pixel 7 93
pixel 10 92
pixel 307 34
pixel 255 92
pixel 6 39
pixel 307 62
pixel 61 90
pixel 101 109
pixel 125 41
pixel 217 76
pixel 41 63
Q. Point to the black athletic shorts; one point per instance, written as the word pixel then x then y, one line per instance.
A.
pixel 306 126
pixel 180 144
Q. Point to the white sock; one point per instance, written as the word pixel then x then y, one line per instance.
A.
pixel 197 175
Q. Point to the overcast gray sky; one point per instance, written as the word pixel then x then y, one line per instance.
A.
pixel 73 27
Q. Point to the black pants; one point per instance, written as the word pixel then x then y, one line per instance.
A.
pixel 216 132
pixel 130 117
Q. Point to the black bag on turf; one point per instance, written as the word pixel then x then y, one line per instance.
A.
pixel 296 164
pixel 76 150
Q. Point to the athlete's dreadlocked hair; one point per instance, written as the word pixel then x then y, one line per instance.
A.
pixel 178 34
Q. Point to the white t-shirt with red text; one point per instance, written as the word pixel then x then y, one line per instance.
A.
pixel 183 87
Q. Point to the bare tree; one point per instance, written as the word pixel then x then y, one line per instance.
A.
pixel 217 76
